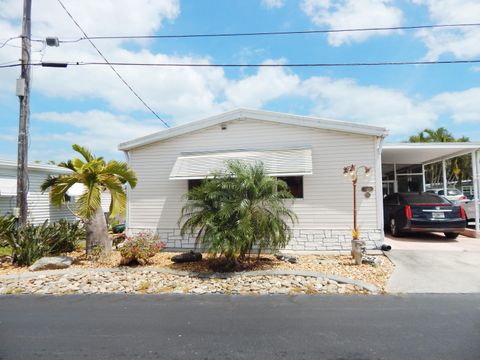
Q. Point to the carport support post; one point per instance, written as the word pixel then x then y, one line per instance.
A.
pixel 475 180
pixel 444 173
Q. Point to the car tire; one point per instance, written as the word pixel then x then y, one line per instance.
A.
pixel 451 235
pixel 393 227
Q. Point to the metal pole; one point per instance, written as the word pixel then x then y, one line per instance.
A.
pixel 355 205
pixel 444 173
pixel 423 178
pixel 475 188
pixel 23 89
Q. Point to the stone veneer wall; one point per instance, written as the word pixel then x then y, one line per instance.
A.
pixel 302 239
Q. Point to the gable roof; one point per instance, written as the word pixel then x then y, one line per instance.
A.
pixel 261 115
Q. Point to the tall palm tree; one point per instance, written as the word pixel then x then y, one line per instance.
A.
pixel 238 210
pixel 97 176
pixel 460 166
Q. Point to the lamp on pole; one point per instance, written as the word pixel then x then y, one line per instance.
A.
pixel 352 171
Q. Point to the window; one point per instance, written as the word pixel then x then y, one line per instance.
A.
pixel 193 183
pixel 295 185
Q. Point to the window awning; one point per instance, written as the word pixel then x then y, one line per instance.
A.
pixel 290 162
pixel 8 186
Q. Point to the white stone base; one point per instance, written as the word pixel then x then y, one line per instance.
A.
pixel 302 239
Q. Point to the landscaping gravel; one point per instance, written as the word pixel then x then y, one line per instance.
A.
pixel 146 281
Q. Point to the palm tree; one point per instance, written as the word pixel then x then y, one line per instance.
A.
pixel 238 210
pixel 460 166
pixel 97 176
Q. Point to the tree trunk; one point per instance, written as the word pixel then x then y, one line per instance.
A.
pixel 97 234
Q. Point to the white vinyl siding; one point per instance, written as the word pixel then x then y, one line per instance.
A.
pixel 327 204
pixel 39 206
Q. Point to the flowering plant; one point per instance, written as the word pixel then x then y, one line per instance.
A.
pixel 138 249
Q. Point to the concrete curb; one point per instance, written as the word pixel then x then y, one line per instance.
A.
pixel 340 279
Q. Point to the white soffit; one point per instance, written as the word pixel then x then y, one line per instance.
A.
pixel 8 186
pixel 290 162
pixel 419 153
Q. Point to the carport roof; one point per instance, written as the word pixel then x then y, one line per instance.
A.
pixel 420 153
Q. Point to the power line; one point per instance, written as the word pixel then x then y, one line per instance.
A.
pixel 111 66
pixel 8 40
pixel 272 33
pixel 351 64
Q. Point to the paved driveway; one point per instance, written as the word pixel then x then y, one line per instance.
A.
pixel 432 242
pixel 430 263
pixel 435 271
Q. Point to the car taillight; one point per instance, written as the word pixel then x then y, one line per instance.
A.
pixel 463 197
pixel 408 212
pixel 462 213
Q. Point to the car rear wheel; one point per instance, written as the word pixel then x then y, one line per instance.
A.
pixel 451 235
pixel 393 228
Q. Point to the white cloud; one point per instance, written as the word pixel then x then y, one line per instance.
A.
pixel 462 106
pixel 258 89
pixel 271 4
pixel 344 99
pixel 96 129
pixel 460 42
pixel 344 14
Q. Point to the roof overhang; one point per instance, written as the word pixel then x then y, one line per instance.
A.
pixel 52 169
pixel 260 115
pixel 201 165
pixel 421 153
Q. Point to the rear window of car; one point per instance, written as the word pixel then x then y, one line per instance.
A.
pixel 423 199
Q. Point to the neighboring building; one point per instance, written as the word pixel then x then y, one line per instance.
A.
pixel 39 206
pixel 308 153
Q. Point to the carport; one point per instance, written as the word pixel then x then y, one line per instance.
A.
pixel 408 167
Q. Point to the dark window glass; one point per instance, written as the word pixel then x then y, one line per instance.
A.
pixel 193 183
pixel 423 199
pixel 391 199
pixel 295 185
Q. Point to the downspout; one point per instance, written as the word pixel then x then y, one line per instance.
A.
pixel 475 178
pixel 127 210
pixel 378 183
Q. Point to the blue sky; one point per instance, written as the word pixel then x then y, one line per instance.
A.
pixel 90 106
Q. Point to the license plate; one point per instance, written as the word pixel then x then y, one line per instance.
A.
pixel 438 215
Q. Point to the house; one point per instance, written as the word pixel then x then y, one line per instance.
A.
pixel 308 153
pixel 39 206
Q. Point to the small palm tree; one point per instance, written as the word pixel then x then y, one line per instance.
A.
pixel 238 210
pixel 97 176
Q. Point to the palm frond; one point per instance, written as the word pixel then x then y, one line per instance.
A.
pixel 87 155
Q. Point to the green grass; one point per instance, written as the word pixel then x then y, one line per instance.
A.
pixel 6 250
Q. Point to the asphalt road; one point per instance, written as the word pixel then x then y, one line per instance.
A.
pixel 226 327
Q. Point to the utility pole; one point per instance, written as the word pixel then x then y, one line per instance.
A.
pixel 23 92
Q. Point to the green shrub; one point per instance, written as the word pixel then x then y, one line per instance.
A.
pixel 140 248
pixel 237 211
pixel 32 242
pixel 7 226
pixel 68 236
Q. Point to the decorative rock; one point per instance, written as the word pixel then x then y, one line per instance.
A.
pixel 287 258
pixel 370 260
pixel 190 256
pixel 7 259
pixel 53 262
pixel 328 261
